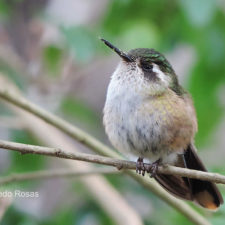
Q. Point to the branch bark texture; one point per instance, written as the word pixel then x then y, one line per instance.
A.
pixel 120 164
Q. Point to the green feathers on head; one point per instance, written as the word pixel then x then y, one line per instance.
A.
pixel 150 55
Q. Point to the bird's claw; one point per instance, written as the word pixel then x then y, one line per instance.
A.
pixel 153 168
pixel 140 168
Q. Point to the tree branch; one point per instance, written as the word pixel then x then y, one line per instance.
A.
pixel 74 132
pixel 121 164
pixel 60 173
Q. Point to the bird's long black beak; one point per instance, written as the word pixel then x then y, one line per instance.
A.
pixel 118 51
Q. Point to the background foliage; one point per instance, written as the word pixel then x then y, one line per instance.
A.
pixel 60 64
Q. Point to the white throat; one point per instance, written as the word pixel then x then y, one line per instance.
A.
pixel 129 79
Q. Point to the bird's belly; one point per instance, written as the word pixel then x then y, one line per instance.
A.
pixel 151 129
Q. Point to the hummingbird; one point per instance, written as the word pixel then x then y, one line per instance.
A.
pixel 149 114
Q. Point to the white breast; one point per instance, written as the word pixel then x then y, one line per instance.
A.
pixel 128 129
pixel 135 122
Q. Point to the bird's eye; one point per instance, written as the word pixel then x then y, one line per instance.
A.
pixel 147 67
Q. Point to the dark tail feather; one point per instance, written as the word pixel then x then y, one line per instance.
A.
pixel 204 193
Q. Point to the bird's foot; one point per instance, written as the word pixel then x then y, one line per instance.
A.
pixel 140 168
pixel 153 168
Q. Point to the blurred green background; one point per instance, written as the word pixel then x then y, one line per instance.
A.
pixel 51 51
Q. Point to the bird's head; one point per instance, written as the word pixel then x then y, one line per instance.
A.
pixel 147 67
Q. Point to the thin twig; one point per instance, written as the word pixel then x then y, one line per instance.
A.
pixel 121 164
pixel 74 132
pixel 49 174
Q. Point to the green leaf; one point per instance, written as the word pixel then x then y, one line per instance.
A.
pixel 14 216
pixel 52 57
pixel 4 9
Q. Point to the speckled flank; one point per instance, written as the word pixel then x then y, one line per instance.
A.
pixel 147 118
